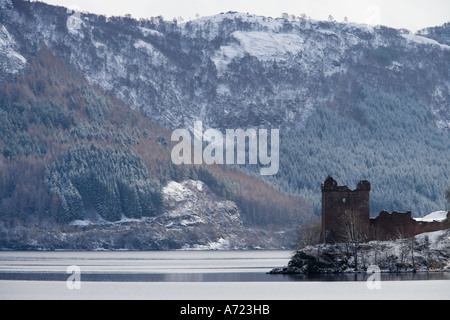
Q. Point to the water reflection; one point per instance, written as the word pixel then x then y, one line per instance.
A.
pixel 410 276
pixel 228 266
pixel 222 277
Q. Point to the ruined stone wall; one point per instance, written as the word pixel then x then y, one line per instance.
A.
pixel 338 201
pixel 397 225
pixel 391 226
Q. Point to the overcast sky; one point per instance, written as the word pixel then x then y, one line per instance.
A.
pixel 410 14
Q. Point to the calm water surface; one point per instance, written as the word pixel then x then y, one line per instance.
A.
pixel 174 266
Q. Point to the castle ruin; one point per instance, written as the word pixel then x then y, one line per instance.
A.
pixel 339 202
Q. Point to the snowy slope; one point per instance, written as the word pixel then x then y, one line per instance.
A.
pixel 178 73
pixel 11 61
pixel 434 216
pixel 425 41
pixel 265 46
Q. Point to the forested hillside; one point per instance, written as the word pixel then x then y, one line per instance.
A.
pixel 393 142
pixel 354 101
pixel 87 103
pixel 70 152
pixel 61 139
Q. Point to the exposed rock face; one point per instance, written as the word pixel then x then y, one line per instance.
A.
pixel 191 203
pixel 191 207
pixel 11 61
pixel 202 220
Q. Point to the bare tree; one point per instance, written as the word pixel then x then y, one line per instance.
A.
pixel 378 249
pixel 401 238
pixel 411 245
pixel 407 244
pixel 308 234
pixel 352 232
pixel 426 250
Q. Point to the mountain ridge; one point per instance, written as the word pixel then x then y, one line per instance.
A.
pixel 185 49
pixel 354 101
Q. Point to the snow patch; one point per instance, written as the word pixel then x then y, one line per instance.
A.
pixel 99 45
pixel 438 216
pixel 395 66
pixel 424 41
pixel 176 192
pixel 81 223
pixel 103 222
pixel 268 46
pixel 221 244
pixel 11 61
pixel 223 89
pixel 265 46
pixel 156 57
pixel 144 45
pixel 442 124
pixel 75 24
pixel 270 24
pixel 149 32
pixel 360 26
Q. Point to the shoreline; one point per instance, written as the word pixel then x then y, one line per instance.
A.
pixel 282 271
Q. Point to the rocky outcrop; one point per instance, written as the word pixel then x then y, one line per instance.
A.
pixel 425 252
pixel 11 61
pixel 193 218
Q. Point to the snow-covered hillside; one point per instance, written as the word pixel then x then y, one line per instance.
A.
pixel 193 218
pixel 351 100
pixel 177 73
pixel 228 69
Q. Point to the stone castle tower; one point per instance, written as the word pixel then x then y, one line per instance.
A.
pixel 338 201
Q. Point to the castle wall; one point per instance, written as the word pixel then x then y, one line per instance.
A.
pixel 391 226
pixel 422 227
pixel 338 201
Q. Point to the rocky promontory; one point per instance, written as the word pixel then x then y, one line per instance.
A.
pixel 425 252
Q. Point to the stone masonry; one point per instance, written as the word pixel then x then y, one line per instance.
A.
pixel 339 201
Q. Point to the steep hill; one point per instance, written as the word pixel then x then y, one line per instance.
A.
pixel 69 152
pixel 353 101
